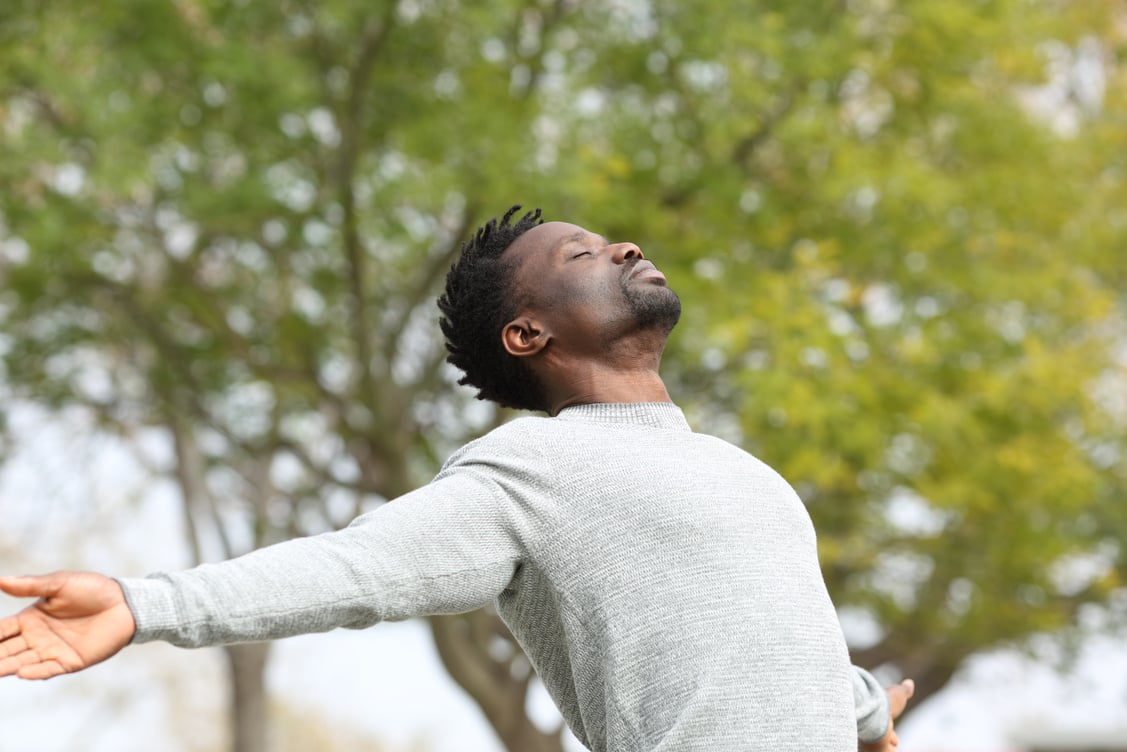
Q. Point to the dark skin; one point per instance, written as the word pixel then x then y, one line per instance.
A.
pixel 581 331
pixel 579 328
pixel 593 323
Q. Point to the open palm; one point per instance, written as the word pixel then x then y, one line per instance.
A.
pixel 80 619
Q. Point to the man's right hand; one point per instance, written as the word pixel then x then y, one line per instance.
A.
pixel 80 619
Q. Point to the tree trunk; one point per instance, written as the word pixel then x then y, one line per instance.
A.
pixel 247 664
pixel 482 656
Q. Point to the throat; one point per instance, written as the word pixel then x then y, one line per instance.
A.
pixel 600 385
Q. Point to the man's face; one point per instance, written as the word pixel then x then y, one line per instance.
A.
pixel 590 292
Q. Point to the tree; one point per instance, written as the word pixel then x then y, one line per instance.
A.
pixel 227 220
pixel 930 292
pixel 230 227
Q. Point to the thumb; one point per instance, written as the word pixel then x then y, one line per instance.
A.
pixel 31 586
pixel 898 696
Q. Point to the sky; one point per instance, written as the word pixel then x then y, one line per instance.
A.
pixel 70 498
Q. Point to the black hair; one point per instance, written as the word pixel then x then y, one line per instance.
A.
pixel 479 300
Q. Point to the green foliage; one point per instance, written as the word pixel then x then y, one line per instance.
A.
pixel 903 281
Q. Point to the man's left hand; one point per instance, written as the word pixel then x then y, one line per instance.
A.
pixel 898 696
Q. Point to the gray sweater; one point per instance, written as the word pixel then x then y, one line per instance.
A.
pixel 664 583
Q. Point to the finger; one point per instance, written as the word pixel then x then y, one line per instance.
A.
pixel 31 586
pixel 17 662
pixel 9 627
pixel 9 666
pixel 13 646
pixel 42 670
pixel 898 696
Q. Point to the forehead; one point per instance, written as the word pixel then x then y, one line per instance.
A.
pixel 543 239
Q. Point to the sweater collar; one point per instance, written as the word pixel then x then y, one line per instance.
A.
pixel 653 414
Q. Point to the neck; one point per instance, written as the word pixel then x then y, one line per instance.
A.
pixel 595 382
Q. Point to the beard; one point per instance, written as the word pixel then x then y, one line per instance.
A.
pixel 655 307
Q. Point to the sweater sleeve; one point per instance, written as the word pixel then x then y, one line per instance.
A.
pixel 448 547
pixel 871 702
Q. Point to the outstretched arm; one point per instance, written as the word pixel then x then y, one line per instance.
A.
pixel 80 619
pixel 444 548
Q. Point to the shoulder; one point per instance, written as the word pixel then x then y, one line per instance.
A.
pixel 527 435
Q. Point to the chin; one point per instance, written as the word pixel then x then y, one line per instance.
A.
pixel 656 308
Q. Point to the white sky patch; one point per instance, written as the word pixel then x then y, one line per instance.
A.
pixel 447 85
pixel 589 102
pixel 899 575
pixel 493 50
pixel 1002 700
pixel 1075 87
pixel 392 165
pixel 292 124
pixel 324 126
pixel 214 94
pixel 840 322
pixel 19 114
pixel 1110 391
pixel 180 239
pixel 1008 320
pixel 335 373
pixel 1072 573
pixel 710 268
pixel 860 203
pixel 309 303
pixel 240 320
pixel 882 305
pixel 316 233
pixel 14 250
pixel 861 628
pixel 289 187
pixel 960 595
pixel 274 231
pixel 750 201
pixel 704 75
pixel 865 107
pixel 911 514
pixel 68 179
pixel 633 19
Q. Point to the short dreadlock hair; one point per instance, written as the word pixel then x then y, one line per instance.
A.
pixel 479 300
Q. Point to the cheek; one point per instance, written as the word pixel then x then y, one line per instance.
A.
pixel 592 299
pixel 565 294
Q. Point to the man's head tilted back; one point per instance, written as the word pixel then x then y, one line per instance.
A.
pixel 535 313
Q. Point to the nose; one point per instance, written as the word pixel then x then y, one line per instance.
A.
pixel 623 252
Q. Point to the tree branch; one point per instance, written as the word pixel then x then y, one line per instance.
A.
pixel 371 42
pixel 463 643
pixel 430 276
pixel 743 150
pixel 188 481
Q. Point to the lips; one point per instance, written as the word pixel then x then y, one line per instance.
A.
pixel 645 270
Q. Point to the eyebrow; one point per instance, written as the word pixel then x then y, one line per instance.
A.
pixel 575 237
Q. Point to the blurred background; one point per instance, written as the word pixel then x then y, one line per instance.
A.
pixel 899 230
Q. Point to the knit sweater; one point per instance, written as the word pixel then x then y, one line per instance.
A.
pixel 664 583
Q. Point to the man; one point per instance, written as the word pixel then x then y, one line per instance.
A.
pixel 665 584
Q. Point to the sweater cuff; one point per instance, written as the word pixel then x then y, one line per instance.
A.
pixel 873 713
pixel 152 603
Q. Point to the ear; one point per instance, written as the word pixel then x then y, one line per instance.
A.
pixel 523 337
